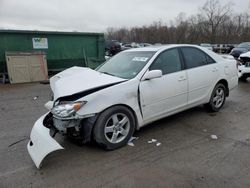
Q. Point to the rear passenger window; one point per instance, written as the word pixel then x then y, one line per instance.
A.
pixel 168 62
pixel 195 58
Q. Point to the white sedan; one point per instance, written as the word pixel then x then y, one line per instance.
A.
pixel 130 90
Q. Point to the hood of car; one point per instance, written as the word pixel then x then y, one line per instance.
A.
pixel 77 79
pixel 247 54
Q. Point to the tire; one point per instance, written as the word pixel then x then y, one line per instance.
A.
pixel 243 78
pixel 217 99
pixel 114 127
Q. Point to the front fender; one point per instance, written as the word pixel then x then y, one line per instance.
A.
pixel 125 93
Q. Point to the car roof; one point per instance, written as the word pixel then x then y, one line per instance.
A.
pixel 160 47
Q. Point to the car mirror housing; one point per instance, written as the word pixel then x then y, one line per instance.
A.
pixel 152 74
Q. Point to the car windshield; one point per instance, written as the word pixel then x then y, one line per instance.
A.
pixel 244 45
pixel 126 64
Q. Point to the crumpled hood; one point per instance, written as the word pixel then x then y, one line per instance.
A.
pixel 247 54
pixel 79 79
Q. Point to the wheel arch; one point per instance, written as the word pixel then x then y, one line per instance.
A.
pixel 98 134
pixel 126 106
pixel 225 83
pixel 93 119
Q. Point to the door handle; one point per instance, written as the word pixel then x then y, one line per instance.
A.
pixel 182 78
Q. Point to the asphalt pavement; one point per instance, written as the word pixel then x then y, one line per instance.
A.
pixel 187 157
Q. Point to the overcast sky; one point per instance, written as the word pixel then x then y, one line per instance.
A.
pixel 97 15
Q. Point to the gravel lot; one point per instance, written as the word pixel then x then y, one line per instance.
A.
pixel 187 156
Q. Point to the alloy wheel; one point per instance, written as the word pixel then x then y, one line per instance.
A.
pixel 219 97
pixel 117 128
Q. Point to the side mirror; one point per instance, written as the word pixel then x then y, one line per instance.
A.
pixel 152 74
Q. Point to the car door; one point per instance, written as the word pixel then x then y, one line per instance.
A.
pixel 168 93
pixel 202 73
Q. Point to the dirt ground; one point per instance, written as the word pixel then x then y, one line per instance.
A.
pixel 187 156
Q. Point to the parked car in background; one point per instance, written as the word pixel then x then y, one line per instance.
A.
pixel 112 47
pixel 207 45
pixel 144 44
pixel 241 48
pixel 244 66
pixel 223 48
pixel 127 46
pixel 216 48
pixel 130 90
pixel 229 47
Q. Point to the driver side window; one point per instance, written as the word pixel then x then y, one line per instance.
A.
pixel 168 62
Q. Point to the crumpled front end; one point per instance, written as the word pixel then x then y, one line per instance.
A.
pixel 244 69
pixel 244 66
pixel 41 143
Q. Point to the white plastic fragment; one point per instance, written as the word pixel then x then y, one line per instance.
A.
pixel 35 98
pixel 107 57
pixel 130 142
pixel 158 144
pixel 152 141
pixel 214 137
pixel 133 138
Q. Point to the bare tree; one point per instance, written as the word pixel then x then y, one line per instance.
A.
pixel 215 14
pixel 215 23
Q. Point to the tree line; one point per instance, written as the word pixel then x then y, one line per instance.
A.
pixel 214 23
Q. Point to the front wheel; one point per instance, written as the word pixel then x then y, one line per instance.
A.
pixel 217 99
pixel 114 127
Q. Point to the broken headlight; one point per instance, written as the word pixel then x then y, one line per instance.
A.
pixel 67 109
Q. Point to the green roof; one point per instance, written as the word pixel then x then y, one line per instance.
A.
pixel 48 32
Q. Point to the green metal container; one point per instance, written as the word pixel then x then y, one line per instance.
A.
pixel 63 49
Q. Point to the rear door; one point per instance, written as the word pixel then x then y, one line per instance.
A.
pixel 202 73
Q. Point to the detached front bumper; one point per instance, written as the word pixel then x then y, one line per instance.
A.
pixel 41 143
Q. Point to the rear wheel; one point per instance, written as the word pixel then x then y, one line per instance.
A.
pixel 217 99
pixel 114 127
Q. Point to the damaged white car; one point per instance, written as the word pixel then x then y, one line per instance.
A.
pixel 244 66
pixel 130 90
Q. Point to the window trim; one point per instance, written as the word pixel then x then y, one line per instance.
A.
pixel 185 62
pixel 180 57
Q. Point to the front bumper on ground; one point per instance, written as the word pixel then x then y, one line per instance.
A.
pixel 41 143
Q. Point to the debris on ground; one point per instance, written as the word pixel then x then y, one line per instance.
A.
pixel 35 98
pixel 152 141
pixel 130 142
pixel 158 144
pixel 23 139
pixel 214 137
